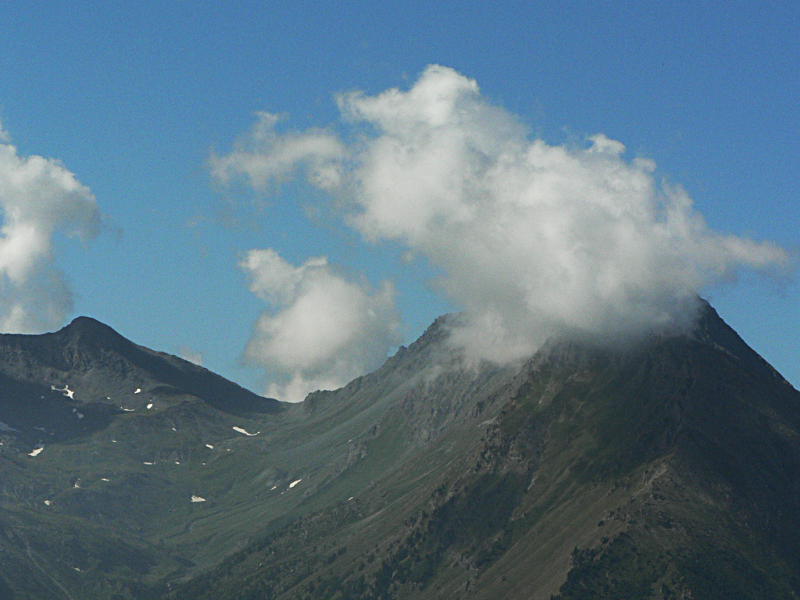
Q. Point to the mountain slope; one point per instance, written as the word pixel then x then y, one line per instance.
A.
pixel 668 470
pixel 103 445
pixel 102 367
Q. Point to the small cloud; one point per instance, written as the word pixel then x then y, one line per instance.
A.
pixel 193 356
pixel 321 329
pixel 264 157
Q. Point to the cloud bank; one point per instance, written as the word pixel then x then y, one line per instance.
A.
pixel 533 239
pixel 39 197
pixel 321 329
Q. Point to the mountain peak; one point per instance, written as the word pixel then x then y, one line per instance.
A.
pixel 83 320
pixel 92 331
pixel 84 323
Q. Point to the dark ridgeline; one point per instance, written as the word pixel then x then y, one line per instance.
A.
pixel 666 470
pixel 94 357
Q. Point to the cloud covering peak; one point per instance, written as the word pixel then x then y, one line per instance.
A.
pixel 532 239
pixel 39 197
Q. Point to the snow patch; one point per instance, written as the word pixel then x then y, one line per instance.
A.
pixel 127 409
pixel 294 483
pixel 149 405
pixel 36 451
pixel 65 390
pixel 104 479
pixel 148 463
pixel 48 502
pixel 243 431
pixel 210 446
pixel 196 499
pixel 137 391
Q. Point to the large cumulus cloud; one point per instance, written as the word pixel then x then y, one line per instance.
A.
pixel 533 239
pixel 39 197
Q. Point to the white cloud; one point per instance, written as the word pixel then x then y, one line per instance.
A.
pixel 193 356
pixel 38 197
pixel 264 157
pixel 533 239
pixel 321 329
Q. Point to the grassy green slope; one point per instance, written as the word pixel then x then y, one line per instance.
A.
pixel 668 471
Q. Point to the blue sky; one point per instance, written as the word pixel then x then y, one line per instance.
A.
pixel 134 99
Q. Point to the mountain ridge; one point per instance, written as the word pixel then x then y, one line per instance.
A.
pixel 663 470
pixel 620 444
pixel 92 353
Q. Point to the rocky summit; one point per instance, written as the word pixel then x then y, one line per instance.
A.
pixel 666 469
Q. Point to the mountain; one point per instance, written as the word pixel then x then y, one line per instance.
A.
pixel 667 469
pixel 102 442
